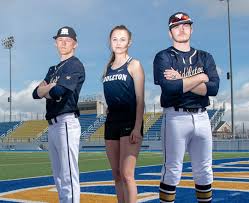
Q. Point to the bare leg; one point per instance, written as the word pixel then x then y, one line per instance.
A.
pixel 128 158
pixel 113 154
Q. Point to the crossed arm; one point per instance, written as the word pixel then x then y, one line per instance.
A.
pixel 171 82
pixel 194 84
pixel 43 89
pixel 49 91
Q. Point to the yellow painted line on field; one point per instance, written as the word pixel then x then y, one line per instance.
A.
pixel 37 194
pixel 49 194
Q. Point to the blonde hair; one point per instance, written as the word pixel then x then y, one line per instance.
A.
pixel 112 57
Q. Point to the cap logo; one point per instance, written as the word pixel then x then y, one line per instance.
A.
pixel 64 31
pixel 179 15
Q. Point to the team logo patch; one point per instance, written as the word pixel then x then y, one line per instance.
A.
pixel 179 16
pixel 64 31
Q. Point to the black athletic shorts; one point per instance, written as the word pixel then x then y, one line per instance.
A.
pixel 119 124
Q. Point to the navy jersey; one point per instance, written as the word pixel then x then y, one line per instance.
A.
pixel 119 89
pixel 187 64
pixel 69 74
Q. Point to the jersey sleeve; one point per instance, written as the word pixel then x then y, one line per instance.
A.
pixel 57 92
pixel 49 74
pixel 47 79
pixel 35 93
pixel 214 80
pixel 71 75
pixel 169 87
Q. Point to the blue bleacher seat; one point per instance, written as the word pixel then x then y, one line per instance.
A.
pixel 154 130
pixel 211 112
pixel 86 120
pixel 6 126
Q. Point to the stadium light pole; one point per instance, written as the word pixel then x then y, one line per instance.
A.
pixel 230 74
pixel 8 44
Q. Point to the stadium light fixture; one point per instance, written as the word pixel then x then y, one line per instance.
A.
pixel 8 44
pixel 230 74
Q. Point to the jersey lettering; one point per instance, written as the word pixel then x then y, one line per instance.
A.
pixel 55 79
pixel 115 77
pixel 189 71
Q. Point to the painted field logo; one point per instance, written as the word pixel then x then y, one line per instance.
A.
pixel 231 185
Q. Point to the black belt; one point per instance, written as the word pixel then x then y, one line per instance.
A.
pixel 190 110
pixel 54 120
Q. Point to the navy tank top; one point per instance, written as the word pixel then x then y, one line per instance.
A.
pixel 119 89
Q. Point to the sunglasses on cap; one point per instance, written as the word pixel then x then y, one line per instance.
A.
pixel 176 19
pixel 179 18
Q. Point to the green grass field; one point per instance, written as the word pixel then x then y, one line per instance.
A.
pixel 31 164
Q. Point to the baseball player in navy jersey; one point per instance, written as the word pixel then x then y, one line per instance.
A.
pixel 61 88
pixel 123 82
pixel 187 78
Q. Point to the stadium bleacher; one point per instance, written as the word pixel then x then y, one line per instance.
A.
pixel 149 119
pixel 98 134
pixel 29 130
pixel 153 131
pixel 92 127
pixel 7 127
pixel 152 126
pixel 87 120
pixel 211 113
pixel 89 124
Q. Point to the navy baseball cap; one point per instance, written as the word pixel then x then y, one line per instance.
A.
pixel 179 18
pixel 66 32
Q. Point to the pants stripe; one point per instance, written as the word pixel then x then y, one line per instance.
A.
pixel 163 137
pixel 69 164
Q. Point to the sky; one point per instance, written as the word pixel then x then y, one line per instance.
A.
pixel 34 23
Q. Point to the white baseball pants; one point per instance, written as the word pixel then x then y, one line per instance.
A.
pixel 184 131
pixel 63 143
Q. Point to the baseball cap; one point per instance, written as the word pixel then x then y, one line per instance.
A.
pixel 66 32
pixel 179 18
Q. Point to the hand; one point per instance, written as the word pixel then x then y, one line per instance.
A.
pixel 135 136
pixel 204 77
pixel 42 89
pixel 171 74
pixel 43 83
pixel 51 85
